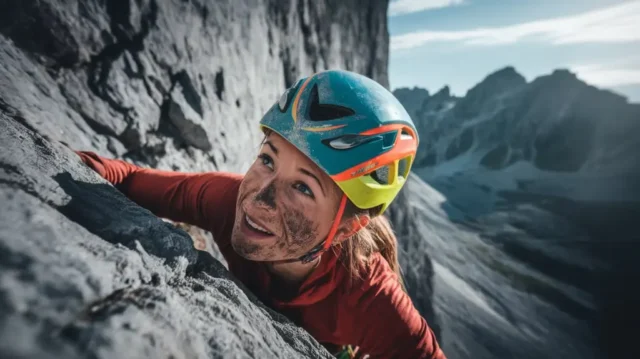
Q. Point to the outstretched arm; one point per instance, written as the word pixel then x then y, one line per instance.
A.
pixel 206 200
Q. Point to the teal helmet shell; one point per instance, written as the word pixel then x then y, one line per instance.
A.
pixel 327 117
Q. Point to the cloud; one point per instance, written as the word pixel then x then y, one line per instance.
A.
pixel 616 24
pixel 400 7
pixel 607 76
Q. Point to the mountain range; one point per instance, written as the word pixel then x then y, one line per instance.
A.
pixel 528 200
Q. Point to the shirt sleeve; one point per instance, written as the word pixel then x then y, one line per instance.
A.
pixel 385 322
pixel 207 200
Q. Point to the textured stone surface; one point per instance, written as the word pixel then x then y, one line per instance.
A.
pixel 177 85
pixel 84 272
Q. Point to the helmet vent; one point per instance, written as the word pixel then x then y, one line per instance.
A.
pixel 405 135
pixel 403 167
pixel 389 173
pixel 381 175
pixel 283 102
pixel 326 112
pixel 346 142
pixel 287 95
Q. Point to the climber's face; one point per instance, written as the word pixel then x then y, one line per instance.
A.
pixel 286 204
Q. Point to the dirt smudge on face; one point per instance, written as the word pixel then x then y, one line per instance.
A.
pixel 267 196
pixel 246 249
pixel 301 230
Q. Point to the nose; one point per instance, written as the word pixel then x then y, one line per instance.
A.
pixel 267 196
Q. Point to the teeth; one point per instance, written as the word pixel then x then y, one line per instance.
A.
pixel 255 226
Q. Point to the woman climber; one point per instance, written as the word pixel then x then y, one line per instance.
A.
pixel 303 228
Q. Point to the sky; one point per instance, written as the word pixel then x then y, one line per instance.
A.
pixel 459 42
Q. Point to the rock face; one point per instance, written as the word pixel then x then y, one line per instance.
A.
pixel 171 84
pixel 175 84
pixel 84 272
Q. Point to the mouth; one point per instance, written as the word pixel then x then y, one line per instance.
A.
pixel 253 229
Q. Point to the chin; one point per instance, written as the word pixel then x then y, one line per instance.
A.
pixel 249 248
pixel 246 249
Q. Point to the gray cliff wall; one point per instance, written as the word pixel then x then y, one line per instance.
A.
pixel 180 85
pixel 86 273
pixel 174 84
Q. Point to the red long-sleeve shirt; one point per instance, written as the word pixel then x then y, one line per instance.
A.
pixel 376 315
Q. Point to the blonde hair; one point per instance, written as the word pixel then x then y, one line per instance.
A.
pixel 376 237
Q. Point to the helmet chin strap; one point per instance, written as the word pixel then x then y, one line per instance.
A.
pixel 323 246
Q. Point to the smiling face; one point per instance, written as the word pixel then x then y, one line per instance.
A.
pixel 286 204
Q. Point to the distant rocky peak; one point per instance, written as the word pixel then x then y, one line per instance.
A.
pixel 563 73
pixel 437 102
pixel 496 84
pixel 416 91
pixel 411 98
pixel 443 93
pixel 442 96
pixel 560 77
pixel 566 88
pixel 503 80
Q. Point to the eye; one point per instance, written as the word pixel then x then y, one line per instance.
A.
pixel 266 160
pixel 304 189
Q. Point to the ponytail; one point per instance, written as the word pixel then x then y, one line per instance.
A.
pixel 377 236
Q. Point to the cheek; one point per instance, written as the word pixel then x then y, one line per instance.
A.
pixel 302 226
pixel 253 171
pixel 252 180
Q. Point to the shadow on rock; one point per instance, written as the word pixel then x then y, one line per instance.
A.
pixel 105 212
pixel 609 240
pixel 579 258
